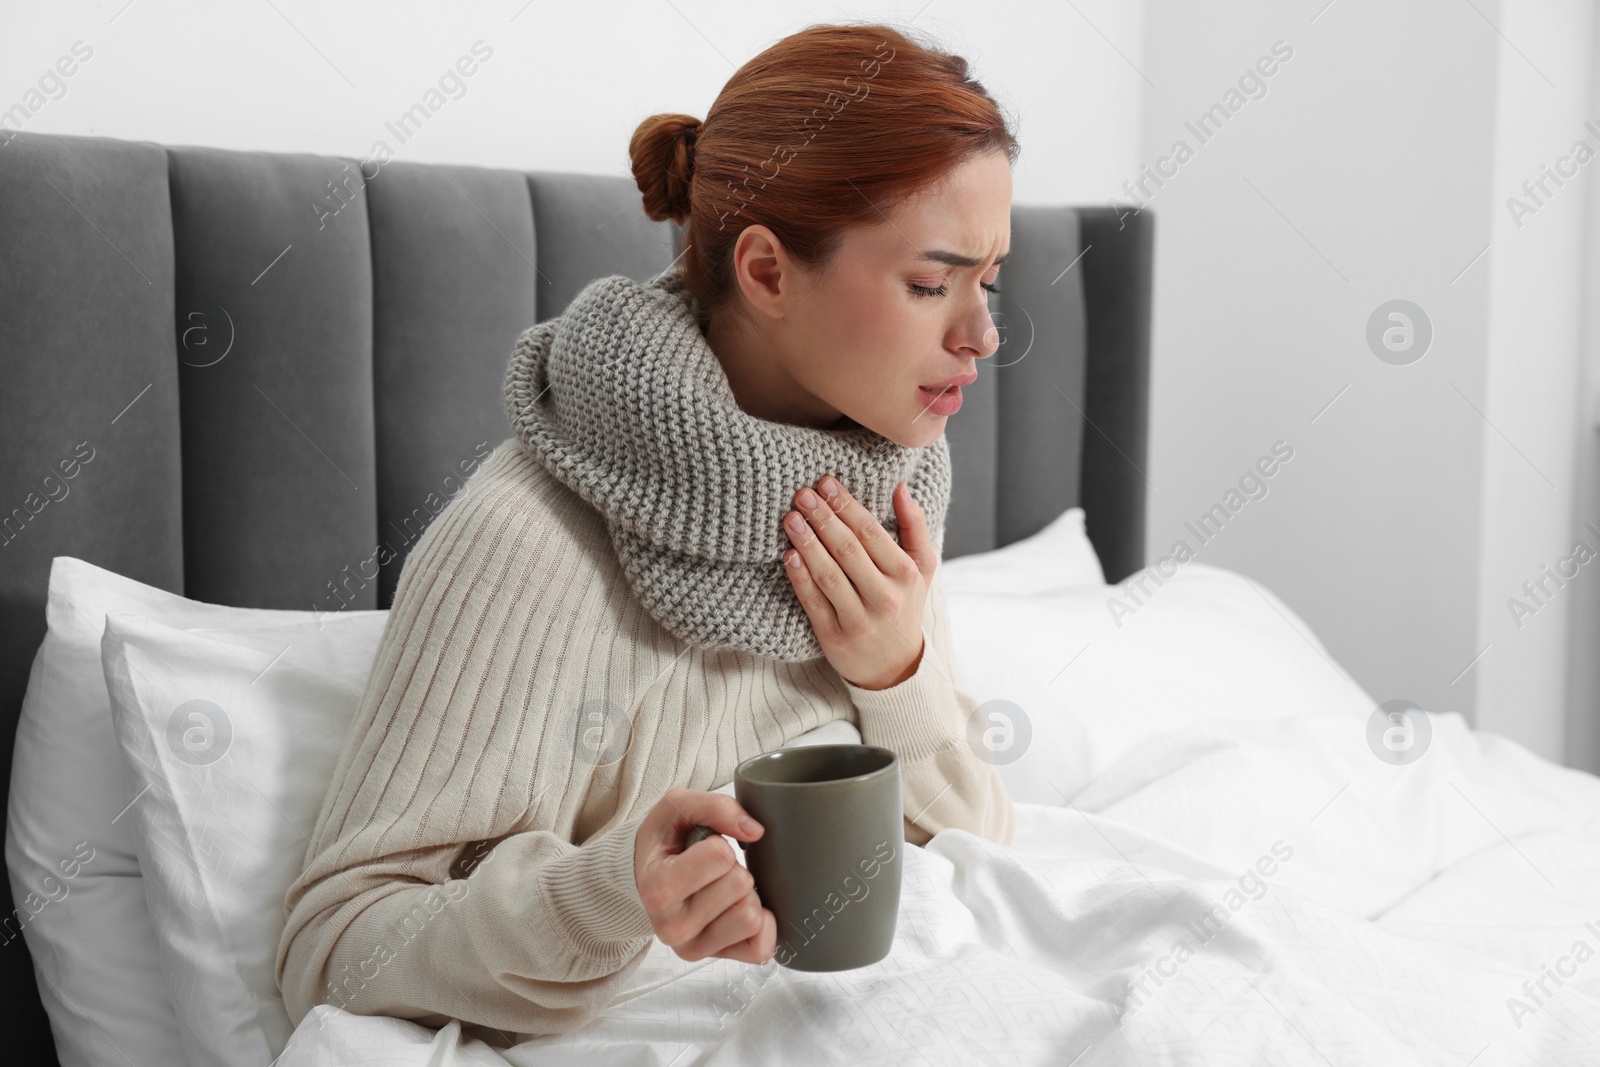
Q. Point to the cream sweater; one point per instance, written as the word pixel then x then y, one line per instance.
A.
pixel 473 857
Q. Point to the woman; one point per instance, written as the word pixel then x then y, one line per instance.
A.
pixel 602 625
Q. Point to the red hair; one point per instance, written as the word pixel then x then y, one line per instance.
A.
pixel 827 129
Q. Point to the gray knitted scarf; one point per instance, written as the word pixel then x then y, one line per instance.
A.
pixel 623 400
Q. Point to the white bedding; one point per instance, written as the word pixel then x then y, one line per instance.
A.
pixel 1443 911
pixel 1378 914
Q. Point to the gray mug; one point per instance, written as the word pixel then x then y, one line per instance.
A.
pixel 828 864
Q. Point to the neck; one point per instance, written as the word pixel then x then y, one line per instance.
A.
pixel 761 383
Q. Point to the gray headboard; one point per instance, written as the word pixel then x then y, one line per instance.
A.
pixel 280 362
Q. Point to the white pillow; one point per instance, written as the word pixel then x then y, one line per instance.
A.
pixel 93 945
pixel 1058 556
pixel 233 736
pixel 1205 644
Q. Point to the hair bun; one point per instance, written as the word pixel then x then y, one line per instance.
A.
pixel 662 156
pixel 690 132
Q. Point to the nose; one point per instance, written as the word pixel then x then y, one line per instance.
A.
pixel 982 336
pixel 991 338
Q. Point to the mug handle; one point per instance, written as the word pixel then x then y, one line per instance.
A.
pixel 700 833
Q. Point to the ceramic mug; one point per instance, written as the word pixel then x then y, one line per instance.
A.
pixel 828 864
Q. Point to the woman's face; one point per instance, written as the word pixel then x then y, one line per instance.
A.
pixel 902 305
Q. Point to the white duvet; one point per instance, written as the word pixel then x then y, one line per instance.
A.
pixel 1231 891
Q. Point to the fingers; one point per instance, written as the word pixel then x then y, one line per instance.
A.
pixel 835 563
pixel 673 874
pixel 679 925
pixel 744 931
pixel 680 808
pixel 700 900
pixel 759 947
pixel 879 545
pixel 819 608
pixel 847 554
pixel 914 535
pixel 699 866
pixel 723 914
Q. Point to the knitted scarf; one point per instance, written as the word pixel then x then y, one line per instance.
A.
pixel 623 400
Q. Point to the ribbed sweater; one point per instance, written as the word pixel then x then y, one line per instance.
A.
pixel 473 855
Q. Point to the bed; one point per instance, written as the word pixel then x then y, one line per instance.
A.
pixel 266 373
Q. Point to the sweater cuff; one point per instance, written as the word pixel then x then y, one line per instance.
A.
pixel 916 718
pixel 595 901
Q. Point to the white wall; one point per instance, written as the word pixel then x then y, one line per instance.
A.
pixel 1531 396
pixel 1375 167
pixel 1362 176
pixel 564 88
pixel 1583 646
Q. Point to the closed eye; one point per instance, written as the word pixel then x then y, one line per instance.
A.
pixel 941 289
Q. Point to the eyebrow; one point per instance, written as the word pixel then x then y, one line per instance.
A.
pixel 956 259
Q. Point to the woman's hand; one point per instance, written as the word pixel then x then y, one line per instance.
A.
pixel 863 593
pixel 700 901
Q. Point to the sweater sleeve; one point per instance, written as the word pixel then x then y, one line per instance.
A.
pixel 537 937
pixel 444 879
pixel 924 720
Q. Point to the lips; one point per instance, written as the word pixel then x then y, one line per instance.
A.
pixel 940 402
pixel 960 379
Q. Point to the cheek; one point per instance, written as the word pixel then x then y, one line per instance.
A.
pixel 878 340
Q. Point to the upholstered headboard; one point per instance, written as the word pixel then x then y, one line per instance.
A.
pixel 279 362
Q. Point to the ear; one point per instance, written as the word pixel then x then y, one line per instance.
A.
pixel 763 270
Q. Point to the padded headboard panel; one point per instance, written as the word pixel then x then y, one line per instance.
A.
pixel 280 365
